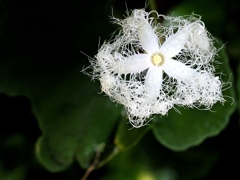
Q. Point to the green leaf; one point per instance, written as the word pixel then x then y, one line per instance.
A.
pixel 40 59
pixel 190 127
pixel 137 164
pixel 213 13
pixel 150 160
pixel 75 130
pixel 15 174
pixel 49 159
pixel 238 87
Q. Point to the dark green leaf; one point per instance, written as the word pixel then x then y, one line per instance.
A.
pixel 41 59
pixel 74 128
pixel 212 17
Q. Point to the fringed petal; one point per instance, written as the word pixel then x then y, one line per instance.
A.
pixel 148 39
pixel 178 70
pixel 133 64
pixel 174 43
pixel 153 82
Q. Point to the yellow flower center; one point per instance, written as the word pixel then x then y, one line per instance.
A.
pixel 157 59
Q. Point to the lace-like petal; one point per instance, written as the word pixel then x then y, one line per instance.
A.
pixel 133 64
pixel 153 82
pixel 174 44
pixel 178 70
pixel 148 39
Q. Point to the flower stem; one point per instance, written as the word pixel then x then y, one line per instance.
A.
pixel 97 163
pixel 99 150
pixel 152 5
pixel 92 166
pixel 110 156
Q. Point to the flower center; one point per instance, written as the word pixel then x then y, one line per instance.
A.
pixel 157 59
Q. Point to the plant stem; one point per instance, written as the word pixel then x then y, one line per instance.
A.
pixel 114 153
pixel 92 166
pixel 152 5
pixel 97 163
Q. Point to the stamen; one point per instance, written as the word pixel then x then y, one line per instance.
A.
pixel 157 59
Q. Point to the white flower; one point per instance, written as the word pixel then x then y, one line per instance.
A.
pixel 150 67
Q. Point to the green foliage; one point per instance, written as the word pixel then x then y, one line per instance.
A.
pixel 205 10
pixel 77 132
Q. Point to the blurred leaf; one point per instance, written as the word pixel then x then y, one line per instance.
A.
pixel 212 12
pixel 15 174
pixel 74 118
pixel 181 131
pixel 138 164
pixel 150 160
pixel 75 130
pixel 233 47
pixel 40 59
pixel 238 88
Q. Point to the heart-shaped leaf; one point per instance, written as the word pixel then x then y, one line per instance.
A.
pixel 41 60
